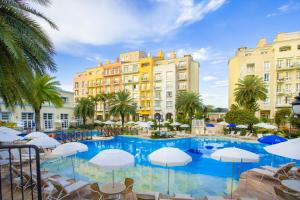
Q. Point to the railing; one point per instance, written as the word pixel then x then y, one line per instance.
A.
pixel 20 182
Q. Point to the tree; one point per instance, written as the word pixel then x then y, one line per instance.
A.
pixel 250 90
pixel 84 109
pixel 241 116
pixel 43 89
pixel 25 49
pixel 188 103
pixel 104 98
pixel 122 105
pixel 282 116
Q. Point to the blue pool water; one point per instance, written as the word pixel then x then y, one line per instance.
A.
pixel 203 176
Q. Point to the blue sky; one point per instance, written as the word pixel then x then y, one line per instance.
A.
pixel 211 30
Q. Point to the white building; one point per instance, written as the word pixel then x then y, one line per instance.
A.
pixel 51 117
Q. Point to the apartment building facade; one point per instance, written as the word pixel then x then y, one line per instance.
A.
pixel 137 73
pixel 278 63
pixel 52 118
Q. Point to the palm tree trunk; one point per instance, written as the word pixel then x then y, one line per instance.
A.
pixel 37 119
pixel 84 120
pixel 123 120
pixel 104 111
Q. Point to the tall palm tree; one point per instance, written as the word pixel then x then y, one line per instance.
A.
pixel 84 109
pixel 122 105
pixel 43 89
pixel 104 98
pixel 250 90
pixel 25 49
pixel 188 103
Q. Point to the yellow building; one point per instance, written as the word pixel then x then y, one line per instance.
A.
pixel 134 72
pixel 278 63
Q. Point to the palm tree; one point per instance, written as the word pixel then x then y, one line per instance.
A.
pixel 122 105
pixel 84 109
pixel 43 89
pixel 188 103
pixel 25 49
pixel 104 98
pixel 250 90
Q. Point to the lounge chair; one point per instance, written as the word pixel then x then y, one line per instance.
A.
pixel 274 169
pixel 297 173
pixel 284 194
pixel 231 133
pixel 280 173
pixel 65 191
pixel 237 134
pixel 182 197
pixel 148 196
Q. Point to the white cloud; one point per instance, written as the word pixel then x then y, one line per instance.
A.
pixel 205 54
pixel 107 22
pixel 223 83
pixel 291 6
pixel 209 78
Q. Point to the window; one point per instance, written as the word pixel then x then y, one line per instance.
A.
pixel 287 100
pixel 169 104
pixel 181 63
pixel 285 48
pixel 157 104
pixel 135 68
pixel 279 63
pixel 76 93
pixel 181 76
pixel 76 84
pixel 169 94
pixel 5 116
pixel 125 69
pixel 288 76
pixel 27 119
pixel 278 88
pixel 288 63
pixel 134 87
pixel 169 76
pixel 48 121
pixel 267 101
pixel 157 94
pixel 169 86
pixel 82 83
pixel 145 77
pixel 278 100
pixel 266 77
pixel 250 68
pixel 267 66
pixel 157 76
pixel 65 99
pixel 64 121
pixel 297 87
pixel 298 75
pixel 248 54
pixel 82 92
pixel 298 47
pixel 288 87
pixel 182 86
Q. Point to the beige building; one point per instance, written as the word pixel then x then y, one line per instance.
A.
pixel 141 75
pixel 278 63
pixel 51 117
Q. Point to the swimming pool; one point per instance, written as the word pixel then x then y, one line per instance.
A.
pixel 203 176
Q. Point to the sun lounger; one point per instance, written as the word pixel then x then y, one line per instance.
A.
pixel 284 194
pixel 148 196
pixel 275 175
pixel 182 197
pixel 274 169
pixel 231 133
pixel 237 134
pixel 65 191
pixel 214 198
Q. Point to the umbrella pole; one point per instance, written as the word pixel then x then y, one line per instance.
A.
pixel 73 168
pixel 232 180
pixel 113 177
pixel 168 180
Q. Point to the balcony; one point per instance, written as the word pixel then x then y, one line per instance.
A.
pixel 157 87
pixel 144 79
pixel 182 87
pixel 182 78
pixel 280 79
pixel 287 67
pixel 116 82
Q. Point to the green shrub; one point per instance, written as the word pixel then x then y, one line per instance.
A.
pixel 160 135
pixel 240 116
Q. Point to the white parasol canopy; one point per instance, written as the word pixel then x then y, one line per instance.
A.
pixel 4 129
pixel 69 149
pixel 265 125
pixel 223 123
pixel 184 126
pixel 97 121
pixel 113 159
pixel 109 122
pixel 131 122
pixel 234 155
pixel 144 125
pixel 44 142
pixel 175 124
pixel 289 149
pixel 35 135
pixel 242 126
pixel 7 137
pixel 168 157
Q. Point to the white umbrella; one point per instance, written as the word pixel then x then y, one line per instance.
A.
pixel 175 124
pixel 35 135
pixel 68 149
pixel 150 123
pixel 130 122
pixel 119 123
pixel 269 126
pixel 289 149
pixel 233 155
pixel 98 121
pixel 168 157
pixel 113 159
pixel 184 126
pixel 242 126
pixel 144 125
pixel 166 122
pixel 109 122
pixel 44 142
pixel 7 137
pixel 223 123
pixel 4 129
